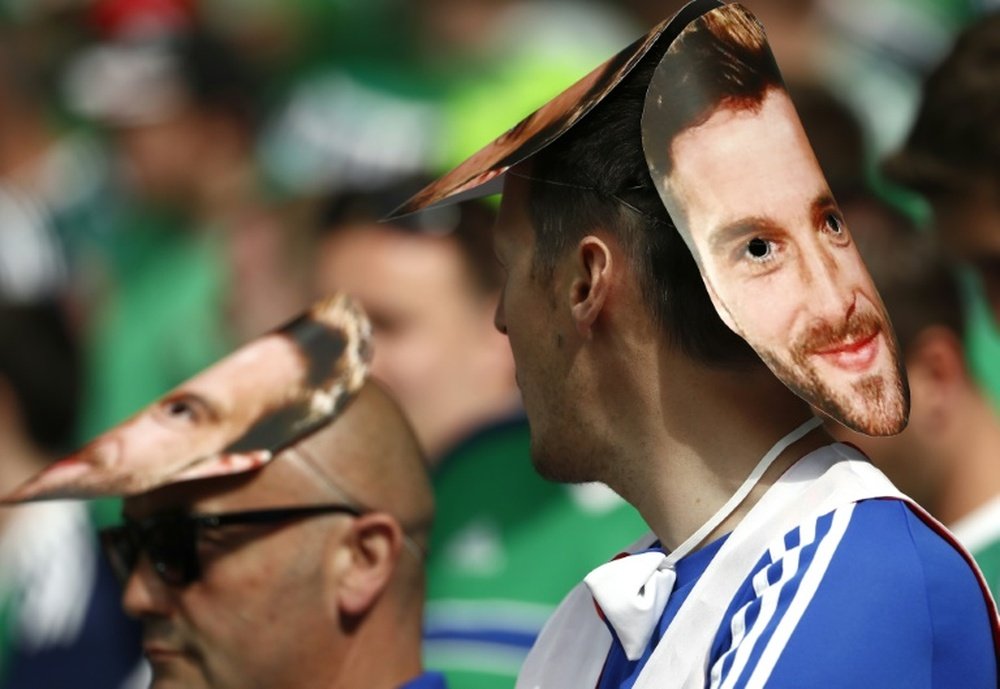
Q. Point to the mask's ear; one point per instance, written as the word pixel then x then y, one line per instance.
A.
pixel 365 560
pixel 591 282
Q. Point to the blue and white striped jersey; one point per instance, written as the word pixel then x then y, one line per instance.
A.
pixel 865 596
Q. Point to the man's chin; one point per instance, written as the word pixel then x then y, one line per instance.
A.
pixel 551 466
pixel 561 465
pixel 176 673
pixel 175 682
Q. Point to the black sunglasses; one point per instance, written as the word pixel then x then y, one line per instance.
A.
pixel 171 540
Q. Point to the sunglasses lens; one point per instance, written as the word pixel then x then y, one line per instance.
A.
pixel 172 547
pixel 121 550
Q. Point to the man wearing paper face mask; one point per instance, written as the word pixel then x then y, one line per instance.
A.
pixel 301 569
pixel 775 251
pixel 778 558
pixel 306 574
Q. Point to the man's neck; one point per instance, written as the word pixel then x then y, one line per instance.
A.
pixel 696 435
pixel 383 655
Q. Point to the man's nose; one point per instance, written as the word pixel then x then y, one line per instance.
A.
pixel 145 593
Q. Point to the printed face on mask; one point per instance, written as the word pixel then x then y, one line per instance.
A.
pixel 780 265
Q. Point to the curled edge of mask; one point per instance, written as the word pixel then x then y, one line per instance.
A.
pixel 329 351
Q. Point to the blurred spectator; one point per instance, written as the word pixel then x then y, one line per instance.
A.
pixel 186 270
pixel 51 183
pixel 837 138
pixel 946 459
pixel 60 622
pixel 429 285
pixel 506 546
pixel 874 54
pixel 952 157
pixel 32 263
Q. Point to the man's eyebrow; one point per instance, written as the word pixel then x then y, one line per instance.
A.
pixel 740 230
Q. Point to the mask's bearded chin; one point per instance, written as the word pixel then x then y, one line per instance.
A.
pixel 875 406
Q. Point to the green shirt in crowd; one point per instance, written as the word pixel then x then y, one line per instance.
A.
pixel 507 546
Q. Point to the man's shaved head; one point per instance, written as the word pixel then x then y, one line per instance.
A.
pixel 372 454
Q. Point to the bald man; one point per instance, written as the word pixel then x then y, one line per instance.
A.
pixel 305 572
pixel 332 600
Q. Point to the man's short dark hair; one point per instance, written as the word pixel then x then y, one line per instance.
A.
pixel 217 77
pixel 603 158
pixel 467 224
pixel 955 140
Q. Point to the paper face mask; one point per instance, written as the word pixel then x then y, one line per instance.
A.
pixel 732 164
pixel 233 417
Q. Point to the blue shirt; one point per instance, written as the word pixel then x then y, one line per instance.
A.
pixel 865 596
pixel 102 654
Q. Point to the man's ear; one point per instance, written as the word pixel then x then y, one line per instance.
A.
pixel 591 283
pixel 936 360
pixel 368 557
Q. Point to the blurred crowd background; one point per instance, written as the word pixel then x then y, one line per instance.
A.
pixel 178 176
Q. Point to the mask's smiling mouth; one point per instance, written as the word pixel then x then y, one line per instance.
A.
pixel 853 354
